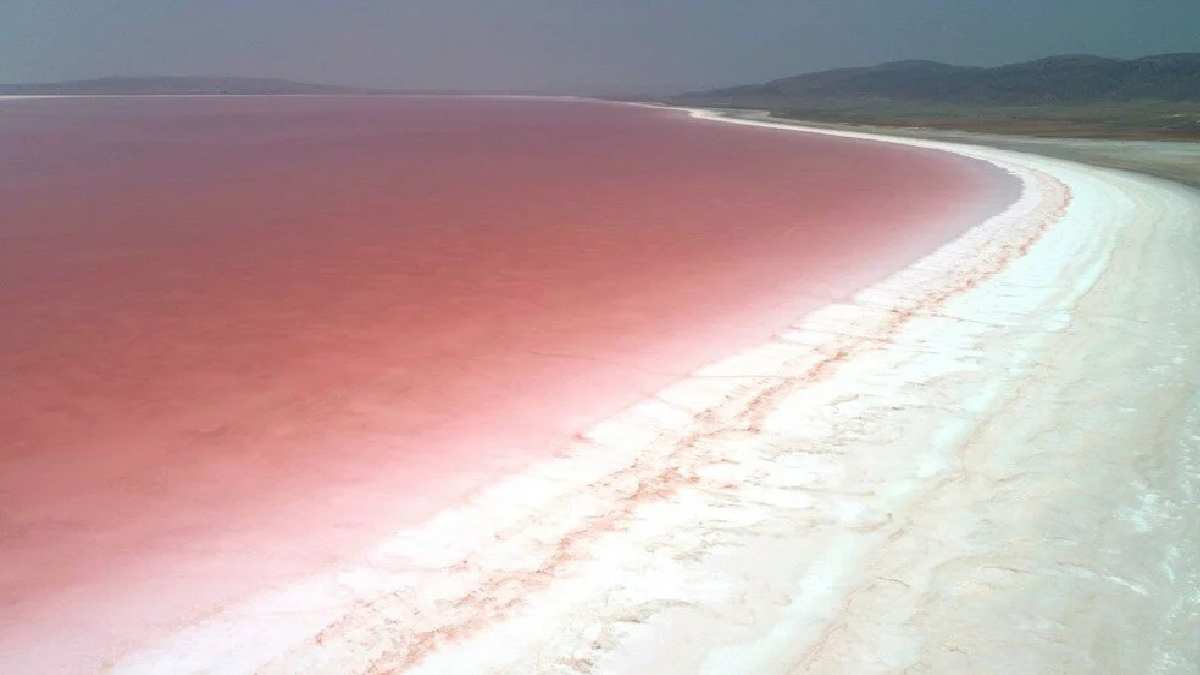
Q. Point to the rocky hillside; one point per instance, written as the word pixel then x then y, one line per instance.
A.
pixel 1055 80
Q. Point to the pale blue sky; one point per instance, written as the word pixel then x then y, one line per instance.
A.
pixel 562 44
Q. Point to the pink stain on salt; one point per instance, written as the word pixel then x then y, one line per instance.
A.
pixel 244 338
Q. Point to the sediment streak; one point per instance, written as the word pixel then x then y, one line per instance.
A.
pixel 989 462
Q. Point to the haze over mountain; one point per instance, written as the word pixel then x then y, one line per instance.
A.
pixel 177 86
pixel 625 47
pixel 1056 79
pixel 1064 79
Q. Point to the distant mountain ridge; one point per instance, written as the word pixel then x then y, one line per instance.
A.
pixel 1073 78
pixel 170 85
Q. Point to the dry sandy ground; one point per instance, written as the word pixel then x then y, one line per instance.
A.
pixel 987 463
pixel 1173 160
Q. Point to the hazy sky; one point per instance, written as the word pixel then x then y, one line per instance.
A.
pixel 562 44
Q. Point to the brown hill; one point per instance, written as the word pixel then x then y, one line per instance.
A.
pixel 1070 79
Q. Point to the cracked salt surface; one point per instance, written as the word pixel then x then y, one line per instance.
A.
pixel 928 477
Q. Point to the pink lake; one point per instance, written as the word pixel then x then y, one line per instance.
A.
pixel 244 338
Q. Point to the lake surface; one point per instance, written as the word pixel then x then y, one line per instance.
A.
pixel 242 338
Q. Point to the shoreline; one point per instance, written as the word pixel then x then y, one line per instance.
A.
pixel 824 502
pixel 628 310
pixel 666 523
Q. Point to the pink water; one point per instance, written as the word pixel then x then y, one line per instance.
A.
pixel 243 338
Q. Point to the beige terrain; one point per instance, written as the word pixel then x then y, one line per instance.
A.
pixel 1177 160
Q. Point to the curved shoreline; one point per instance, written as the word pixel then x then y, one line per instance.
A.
pixel 269 407
pixel 828 501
